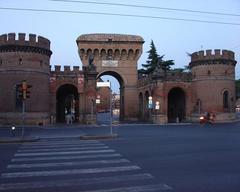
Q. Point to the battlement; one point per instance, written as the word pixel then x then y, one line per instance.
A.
pixel 105 37
pixel 66 69
pixel 212 54
pixel 33 40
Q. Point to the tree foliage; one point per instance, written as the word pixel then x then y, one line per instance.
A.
pixel 154 61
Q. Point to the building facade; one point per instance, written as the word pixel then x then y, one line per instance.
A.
pixel 176 96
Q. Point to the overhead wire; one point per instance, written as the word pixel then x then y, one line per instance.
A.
pixel 116 14
pixel 148 7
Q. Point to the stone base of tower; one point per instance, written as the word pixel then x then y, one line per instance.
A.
pixel 219 117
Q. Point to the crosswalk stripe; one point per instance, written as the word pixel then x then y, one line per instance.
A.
pixel 49 143
pixel 75 182
pixel 61 164
pixel 64 153
pixel 70 171
pixel 62 149
pixel 61 145
pixel 65 157
pixel 143 188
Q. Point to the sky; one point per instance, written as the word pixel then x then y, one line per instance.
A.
pixel 160 21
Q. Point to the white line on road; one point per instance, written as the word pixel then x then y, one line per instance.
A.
pixel 62 164
pixel 69 172
pixel 64 153
pixel 75 182
pixel 50 143
pixel 143 188
pixel 60 145
pixel 62 149
pixel 65 157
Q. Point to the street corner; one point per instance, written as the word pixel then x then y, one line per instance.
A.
pixel 98 137
pixel 18 139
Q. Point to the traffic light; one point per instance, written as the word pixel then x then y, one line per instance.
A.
pixel 19 91
pixel 28 91
pixel 23 90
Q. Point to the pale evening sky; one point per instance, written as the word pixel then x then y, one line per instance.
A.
pixel 63 21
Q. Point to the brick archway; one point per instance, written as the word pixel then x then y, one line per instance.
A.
pixel 122 85
pixel 176 105
pixel 67 102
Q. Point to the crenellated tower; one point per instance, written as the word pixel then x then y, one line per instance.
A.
pixel 27 59
pixel 213 82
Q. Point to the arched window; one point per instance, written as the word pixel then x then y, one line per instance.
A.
pixel 225 100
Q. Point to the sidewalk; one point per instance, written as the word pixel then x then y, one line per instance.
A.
pixel 8 135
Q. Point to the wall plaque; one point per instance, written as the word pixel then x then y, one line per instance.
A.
pixel 109 63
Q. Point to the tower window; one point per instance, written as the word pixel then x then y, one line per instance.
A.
pixel 225 100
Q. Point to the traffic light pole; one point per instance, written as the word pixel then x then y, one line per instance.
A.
pixel 23 117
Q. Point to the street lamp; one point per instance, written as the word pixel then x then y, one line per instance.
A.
pixel 150 106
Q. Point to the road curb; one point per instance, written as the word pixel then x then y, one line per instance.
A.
pixel 18 139
pixel 98 137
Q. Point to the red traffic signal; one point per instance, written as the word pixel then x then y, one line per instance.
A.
pixel 23 90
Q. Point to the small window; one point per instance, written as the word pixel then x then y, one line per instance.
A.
pixel 41 63
pixel 20 61
pixel 209 72
pixel 1 62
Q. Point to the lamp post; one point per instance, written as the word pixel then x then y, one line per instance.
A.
pixel 150 106
pixel 110 91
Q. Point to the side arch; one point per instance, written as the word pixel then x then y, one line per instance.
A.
pixel 67 102
pixel 176 105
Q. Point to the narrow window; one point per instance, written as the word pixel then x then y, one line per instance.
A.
pixel 209 72
pixel 225 100
pixel 20 61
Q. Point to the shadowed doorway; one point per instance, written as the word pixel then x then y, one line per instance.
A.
pixel 67 102
pixel 176 105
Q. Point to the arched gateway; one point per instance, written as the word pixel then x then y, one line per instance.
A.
pixel 116 55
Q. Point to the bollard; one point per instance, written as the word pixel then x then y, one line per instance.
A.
pixel 13 130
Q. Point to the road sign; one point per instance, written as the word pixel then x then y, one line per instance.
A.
pixel 103 84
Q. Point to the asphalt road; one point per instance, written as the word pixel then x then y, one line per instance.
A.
pixel 178 158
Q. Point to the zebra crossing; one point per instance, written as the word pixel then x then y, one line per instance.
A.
pixel 74 165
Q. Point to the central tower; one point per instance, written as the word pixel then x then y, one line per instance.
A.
pixel 115 55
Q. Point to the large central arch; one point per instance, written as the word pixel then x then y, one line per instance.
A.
pixel 121 83
pixel 176 105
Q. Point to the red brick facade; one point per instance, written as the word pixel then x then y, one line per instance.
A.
pixel 210 86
